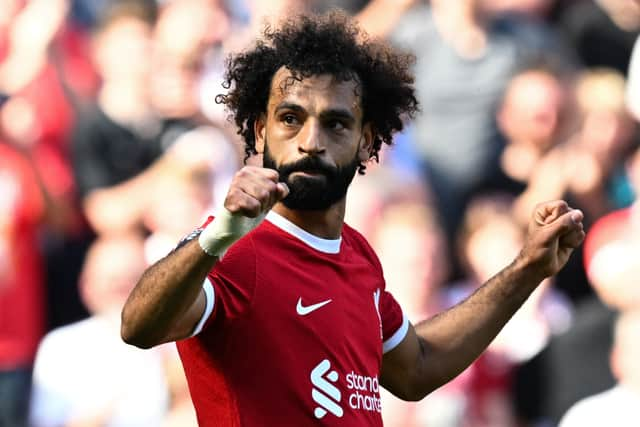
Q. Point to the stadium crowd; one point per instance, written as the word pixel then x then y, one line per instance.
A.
pixel 112 148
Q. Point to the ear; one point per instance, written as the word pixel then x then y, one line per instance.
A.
pixel 366 143
pixel 259 130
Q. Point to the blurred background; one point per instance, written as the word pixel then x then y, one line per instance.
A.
pixel 112 148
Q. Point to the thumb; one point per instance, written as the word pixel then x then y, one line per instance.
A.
pixel 283 190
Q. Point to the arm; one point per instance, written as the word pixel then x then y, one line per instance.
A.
pixel 168 300
pixel 438 349
pixel 121 207
pixel 379 17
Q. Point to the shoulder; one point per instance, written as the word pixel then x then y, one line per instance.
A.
pixel 355 241
pixel 60 346
pixel 68 333
pixel 587 410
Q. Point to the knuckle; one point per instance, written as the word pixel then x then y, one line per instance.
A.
pixel 254 206
pixel 232 206
pixel 270 187
pixel 245 172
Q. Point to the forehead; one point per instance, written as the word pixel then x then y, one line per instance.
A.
pixel 314 93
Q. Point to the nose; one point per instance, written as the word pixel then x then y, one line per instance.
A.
pixel 310 140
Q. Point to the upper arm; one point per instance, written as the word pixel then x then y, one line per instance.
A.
pixel 194 318
pixel 402 367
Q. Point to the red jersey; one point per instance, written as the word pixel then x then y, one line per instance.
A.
pixel 293 333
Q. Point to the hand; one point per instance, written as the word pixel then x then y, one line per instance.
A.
pixel 253 191
pixel 555 230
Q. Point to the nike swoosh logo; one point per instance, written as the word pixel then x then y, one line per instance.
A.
pixel 303 311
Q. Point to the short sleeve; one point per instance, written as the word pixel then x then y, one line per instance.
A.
pixel 394 323
pixel 230 285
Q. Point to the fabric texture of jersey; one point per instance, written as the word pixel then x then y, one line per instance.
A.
pixel 295 334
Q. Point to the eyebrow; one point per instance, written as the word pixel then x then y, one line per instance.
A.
pixel 333 113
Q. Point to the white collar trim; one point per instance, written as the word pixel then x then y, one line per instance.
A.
pixel 329 246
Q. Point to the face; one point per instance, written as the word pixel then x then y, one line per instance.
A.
pixel 122 50
pixel 531 109
pixel 313 135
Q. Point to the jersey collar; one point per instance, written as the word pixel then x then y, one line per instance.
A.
pixel 329 246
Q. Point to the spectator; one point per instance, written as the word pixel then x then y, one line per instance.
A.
pixel 101 380
pixel 189 137
pixel 46 71
pixel 575 364
pixel 611 247
pixel 465 57
pixel 532 118
pixel 591 164
pixel 117 138
pixel 617 406
pixel 23 209
pixel 593 28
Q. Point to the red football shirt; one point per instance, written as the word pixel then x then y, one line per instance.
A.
pixel 293 333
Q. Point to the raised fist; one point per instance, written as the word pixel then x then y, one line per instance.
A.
pixel 253 191
pixel 555 230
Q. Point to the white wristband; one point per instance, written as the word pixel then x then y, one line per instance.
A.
pixel 225 230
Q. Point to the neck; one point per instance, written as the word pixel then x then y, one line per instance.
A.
pixel 326 224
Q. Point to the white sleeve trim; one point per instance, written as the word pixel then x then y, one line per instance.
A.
pixel 397 337
pixel 210 295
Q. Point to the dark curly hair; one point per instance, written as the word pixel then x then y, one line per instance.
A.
pixel 322 44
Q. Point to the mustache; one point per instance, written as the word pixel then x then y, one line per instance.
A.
pixel 307 164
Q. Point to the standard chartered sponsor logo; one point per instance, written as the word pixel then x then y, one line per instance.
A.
pixel 364 396
pixel 323 391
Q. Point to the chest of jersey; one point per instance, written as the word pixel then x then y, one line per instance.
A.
pixel 315 331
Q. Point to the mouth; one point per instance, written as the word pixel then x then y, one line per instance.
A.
pixel 308 173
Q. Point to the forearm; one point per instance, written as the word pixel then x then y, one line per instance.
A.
pixel 456 337
pixel 164 294
pixel 379 17
pixel 123 206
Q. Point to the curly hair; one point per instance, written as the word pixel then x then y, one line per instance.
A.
pixel 309 45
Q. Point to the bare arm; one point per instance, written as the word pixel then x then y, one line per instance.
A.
pixel 168 300
pixel 380 17
pixel 438 349
pixel 121 207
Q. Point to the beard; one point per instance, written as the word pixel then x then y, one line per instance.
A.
pixel 312 193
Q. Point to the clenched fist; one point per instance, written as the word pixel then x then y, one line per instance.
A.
pixel 555 230
pixel 254 191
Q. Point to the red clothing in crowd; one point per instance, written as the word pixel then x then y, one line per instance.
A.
pixel 21 271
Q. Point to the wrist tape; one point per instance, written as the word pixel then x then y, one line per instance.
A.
pixel 225 230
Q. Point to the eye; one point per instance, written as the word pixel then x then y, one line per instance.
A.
pixel 336 125
pixel 289 119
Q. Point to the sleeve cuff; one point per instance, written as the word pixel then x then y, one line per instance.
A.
pixel 397 337
pixel 210 295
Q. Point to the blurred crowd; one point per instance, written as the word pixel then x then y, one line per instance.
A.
pixel 112 147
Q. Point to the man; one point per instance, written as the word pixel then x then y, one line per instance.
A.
pixel 104 381
pixel 287 321
pixel 618 405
